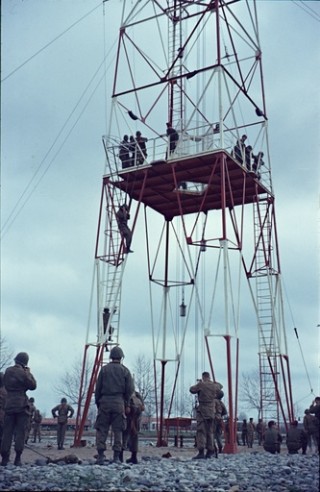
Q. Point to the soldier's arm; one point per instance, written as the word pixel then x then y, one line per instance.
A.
pixel 194 389
pixel 54 410
pixel 31 383
pixel 98 389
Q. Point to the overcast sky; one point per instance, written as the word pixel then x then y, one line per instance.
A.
pixel 51 130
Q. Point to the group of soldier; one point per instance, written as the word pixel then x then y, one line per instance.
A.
pixel 133 150
pixel 244 155
pixel 120 407
pixel 296 437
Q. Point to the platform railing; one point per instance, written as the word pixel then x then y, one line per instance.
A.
pixel 195 141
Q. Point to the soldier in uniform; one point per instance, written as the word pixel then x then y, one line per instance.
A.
pixel 220 412
pixel 122 218
pixel 65 411
pixel 17 381
pixel 244 432
pixel 310 427
pixel 173 137
pixel 272 438
pixel 37 419
pixel 315 410
pixel 251 430
pixel 207 392
pixel 296 439
pixel 260 429
pixel 32 409
pixel 131 433
pixel 3 397
pixel 112 395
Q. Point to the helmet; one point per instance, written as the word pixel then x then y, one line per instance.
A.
pixel 63 400
pixel 116 353
pixel 22 358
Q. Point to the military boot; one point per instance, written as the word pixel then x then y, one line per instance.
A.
pixel 5 459
pixel 133 458
pixel 101 457
pixel 121 456
pixel 116 457
pixel 17 460
pixel 200 455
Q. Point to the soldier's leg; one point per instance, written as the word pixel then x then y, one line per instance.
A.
pixel 133 448
pixel 201 437
pixel 118 426
pixel 8 429
pixel 209 434
pixel 102 428
pixel 22 422
pixel 63 434
pixel 59 435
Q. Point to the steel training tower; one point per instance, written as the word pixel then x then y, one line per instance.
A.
pixel 207 203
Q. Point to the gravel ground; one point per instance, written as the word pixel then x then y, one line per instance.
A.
pixel 248 470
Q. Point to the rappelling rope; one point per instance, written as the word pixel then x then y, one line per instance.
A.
pixel 297 336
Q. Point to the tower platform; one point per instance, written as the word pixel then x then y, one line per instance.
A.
pixel 191 184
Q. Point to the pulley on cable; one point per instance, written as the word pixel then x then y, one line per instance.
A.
pixel 183 306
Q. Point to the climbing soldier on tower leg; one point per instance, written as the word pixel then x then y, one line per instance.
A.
pixel 122 218
pixel 112 395
pixel 208 391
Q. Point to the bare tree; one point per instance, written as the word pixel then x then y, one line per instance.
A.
pixel 6 354
pixel 69 385
pixel 143 375
pixel 250 390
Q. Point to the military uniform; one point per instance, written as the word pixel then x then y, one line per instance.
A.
pixel 220 411
pixel 295 439
pixel 260 429
pixel 207 392
pixel 17 380
pixel 65 411
pixel 37 419
pixel 272 440
pixel 250 433
pixel 3 397
pixel 112 394
pixel 130 434
pixel 122 219
pixel 32 409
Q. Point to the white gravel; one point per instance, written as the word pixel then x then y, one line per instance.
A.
pixel 254 472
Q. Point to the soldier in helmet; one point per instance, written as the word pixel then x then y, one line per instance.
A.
pixel 65 411
pixel 208 391
pixel 112 395
pixel 17 381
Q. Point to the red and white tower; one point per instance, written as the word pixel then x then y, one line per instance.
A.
pixel 215 256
